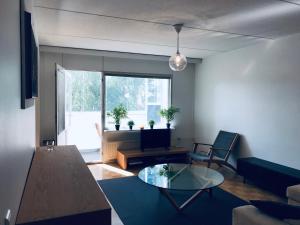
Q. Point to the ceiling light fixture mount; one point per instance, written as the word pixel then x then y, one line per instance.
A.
pixel 177 62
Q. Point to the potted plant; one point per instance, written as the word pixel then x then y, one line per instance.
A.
pixel 118 113
pixel 169 114
pixel 130 124
pixel 151 123
pixel 167 171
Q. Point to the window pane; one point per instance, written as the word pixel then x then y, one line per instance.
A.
pixel 86 91
pixel 127 91
pixel 143 98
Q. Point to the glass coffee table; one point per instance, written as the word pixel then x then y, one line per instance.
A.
pixel 184 177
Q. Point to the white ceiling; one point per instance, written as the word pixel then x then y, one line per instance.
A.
pixel 144 26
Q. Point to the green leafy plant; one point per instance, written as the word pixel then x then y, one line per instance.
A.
pixel 167 171
pixel 118 113
pixel 169 113
pixel 151 122
pixel 130 123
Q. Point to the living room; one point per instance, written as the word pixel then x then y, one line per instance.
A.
pixel 163 112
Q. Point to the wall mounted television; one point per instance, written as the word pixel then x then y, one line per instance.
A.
pixel 29 60
pixel 155 138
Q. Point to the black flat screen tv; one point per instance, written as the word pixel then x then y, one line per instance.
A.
pixel 29 59
pixel 155 138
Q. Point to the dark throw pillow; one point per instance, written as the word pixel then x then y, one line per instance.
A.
pixel 278 209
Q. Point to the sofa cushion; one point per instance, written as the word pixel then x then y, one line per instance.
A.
pixel 277 209
pixel 250 215
pixel 292 222
pixel 293 192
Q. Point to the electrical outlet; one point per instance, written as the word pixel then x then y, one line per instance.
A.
pixel 7 217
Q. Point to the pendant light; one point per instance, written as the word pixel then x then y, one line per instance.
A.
pixel 177 62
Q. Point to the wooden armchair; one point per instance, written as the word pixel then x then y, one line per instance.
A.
pixel 219 151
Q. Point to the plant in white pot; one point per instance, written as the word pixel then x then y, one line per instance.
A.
pixel 169 114
pixel 118 113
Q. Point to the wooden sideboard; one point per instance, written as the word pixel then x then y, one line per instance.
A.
pixel 60 189
pixel 123 156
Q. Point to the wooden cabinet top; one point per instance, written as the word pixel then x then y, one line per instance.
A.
pixel 59 184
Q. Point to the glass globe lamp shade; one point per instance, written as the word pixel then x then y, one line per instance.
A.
pixel 177 62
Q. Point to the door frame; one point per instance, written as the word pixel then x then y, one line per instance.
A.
pixel 102 100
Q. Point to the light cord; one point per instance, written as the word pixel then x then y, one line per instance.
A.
pixel 177 42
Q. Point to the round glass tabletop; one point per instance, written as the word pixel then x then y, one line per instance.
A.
pixel 181 176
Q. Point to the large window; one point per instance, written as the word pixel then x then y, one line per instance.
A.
pixel 143 98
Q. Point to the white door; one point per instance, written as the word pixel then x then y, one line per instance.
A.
pixel 63 104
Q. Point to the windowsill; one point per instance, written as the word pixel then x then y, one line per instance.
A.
pixel 133 130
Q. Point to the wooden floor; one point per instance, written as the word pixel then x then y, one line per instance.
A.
pixel 233 183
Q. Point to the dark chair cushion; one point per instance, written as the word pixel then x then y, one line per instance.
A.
pixel 277 209
pixel 198 156
pixel 224 141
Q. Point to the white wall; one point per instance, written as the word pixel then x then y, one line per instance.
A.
pixel 182 83
pixel 17 127
pixel 254 91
